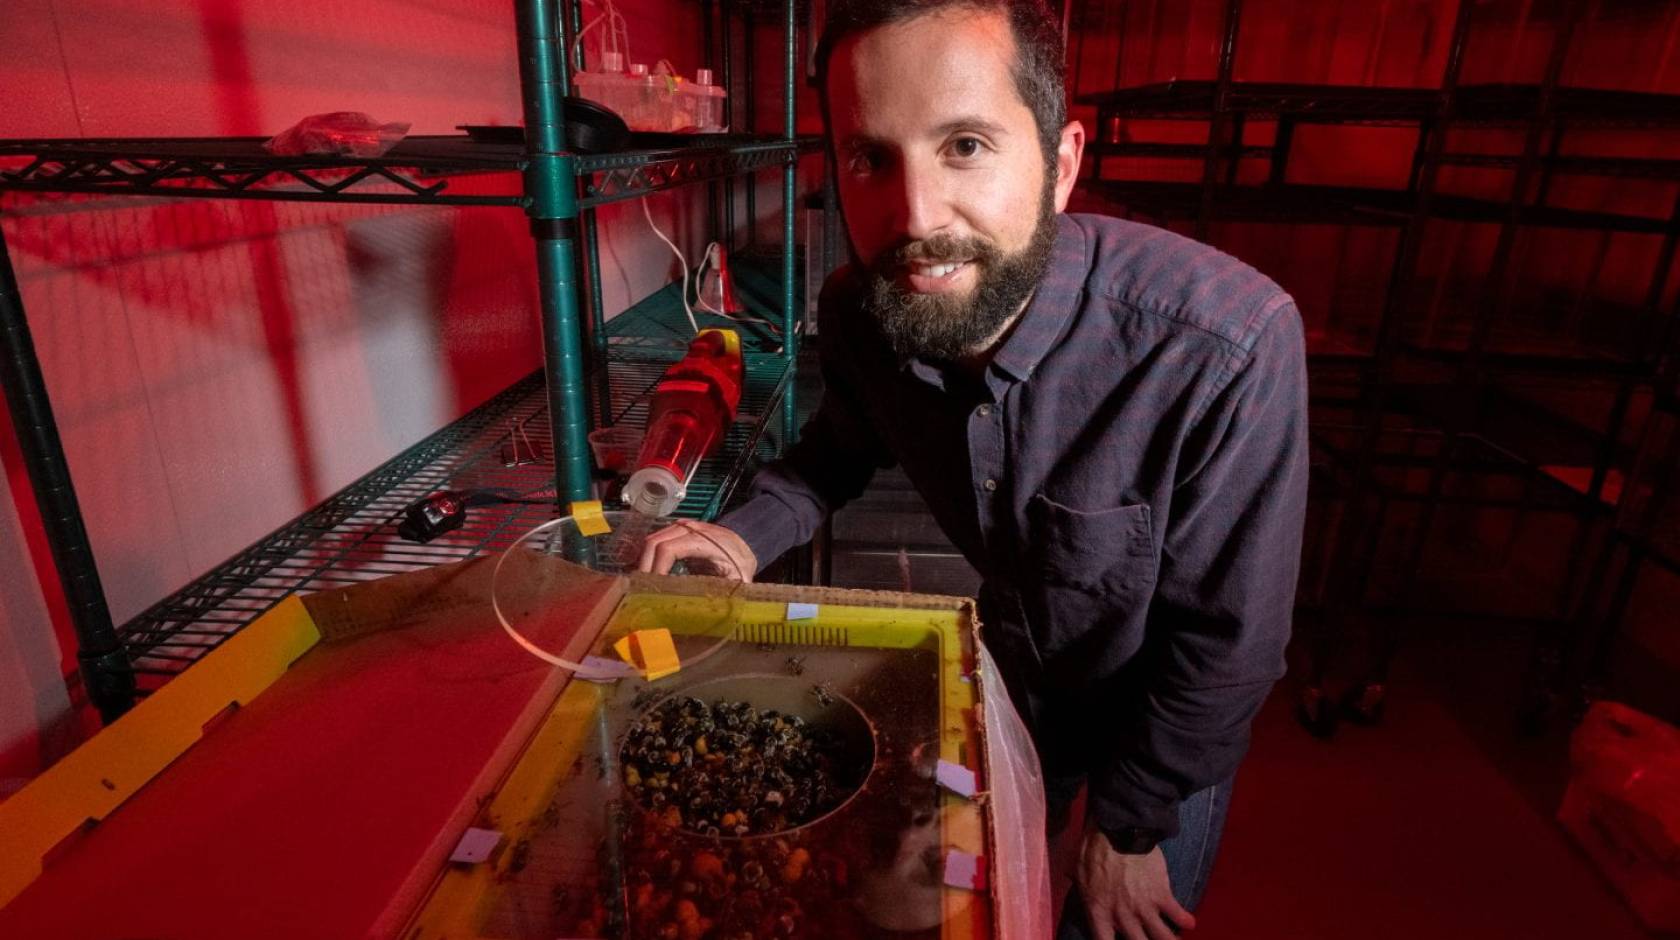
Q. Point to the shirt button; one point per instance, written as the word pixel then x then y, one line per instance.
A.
pixel 983 410
pixel 990 485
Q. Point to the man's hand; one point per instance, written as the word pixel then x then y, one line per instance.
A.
pixel 1127 896
pixel 715 545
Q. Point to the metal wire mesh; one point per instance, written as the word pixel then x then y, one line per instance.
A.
pixel 352 537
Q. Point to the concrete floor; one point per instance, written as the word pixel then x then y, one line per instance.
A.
pixel 1439 823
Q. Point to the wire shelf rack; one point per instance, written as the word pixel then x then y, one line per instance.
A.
pixel 352 537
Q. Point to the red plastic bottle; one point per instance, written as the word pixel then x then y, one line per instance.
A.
pixel 693 405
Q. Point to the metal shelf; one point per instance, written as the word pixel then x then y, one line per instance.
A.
pixel 415 171
pixel 352 536
pixel 1293 202
pixel 1490 104
pixel 1583 107
pixel 1320 104
pixel 613 177
pixel 1309 204
pixel 554 187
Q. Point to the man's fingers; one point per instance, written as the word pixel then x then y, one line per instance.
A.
pixel 650 547
pixel 1155 928
pixel 660 557
pixel 675 550
pixel 1130 929
pixel 1175 912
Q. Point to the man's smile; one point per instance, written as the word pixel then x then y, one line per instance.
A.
pixel 940 278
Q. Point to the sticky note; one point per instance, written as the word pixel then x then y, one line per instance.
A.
pixel 601 669
pixel 965 871
pixel 651 651
pixel 957 778
pixel 475 846
pixel 587 514
pixel 801 611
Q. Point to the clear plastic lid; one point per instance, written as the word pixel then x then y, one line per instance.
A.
pixel 549 555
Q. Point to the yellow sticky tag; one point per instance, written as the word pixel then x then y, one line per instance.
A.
pixel 651 651
pixel 587 514
pixel 731 339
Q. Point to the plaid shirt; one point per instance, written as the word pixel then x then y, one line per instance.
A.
pixel 1129 477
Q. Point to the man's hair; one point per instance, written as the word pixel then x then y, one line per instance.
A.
pixel 1040 62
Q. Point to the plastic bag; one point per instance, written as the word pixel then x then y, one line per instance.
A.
pixel 340 133
pixel 1021 873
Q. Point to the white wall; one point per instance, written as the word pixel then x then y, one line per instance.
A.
pixel 216 368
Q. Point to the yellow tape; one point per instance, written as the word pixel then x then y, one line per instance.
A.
pixel 731 339
pixel 651 651
pixel 587 514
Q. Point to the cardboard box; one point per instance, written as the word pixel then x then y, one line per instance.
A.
pixel 1623 807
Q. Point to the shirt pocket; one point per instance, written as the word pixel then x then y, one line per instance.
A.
pixel 1090 571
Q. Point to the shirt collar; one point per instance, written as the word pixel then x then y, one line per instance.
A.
pixel 1052 304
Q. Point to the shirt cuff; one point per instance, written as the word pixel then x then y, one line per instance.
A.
pixel 766 524
pixel 1113 805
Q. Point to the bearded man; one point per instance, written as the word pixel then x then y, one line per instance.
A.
pixel 1107 419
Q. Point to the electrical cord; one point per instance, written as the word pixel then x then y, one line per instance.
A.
pixel 617 26
pixel 710 257
pixel 682 290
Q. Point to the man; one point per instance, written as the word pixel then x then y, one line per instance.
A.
pixel 1107 419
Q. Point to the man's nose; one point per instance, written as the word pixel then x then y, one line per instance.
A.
pixel 924 207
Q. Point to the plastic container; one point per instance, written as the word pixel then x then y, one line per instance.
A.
pixel 647 100
pixel 615 447
pixel 699 105
pixel 607 86
pixel 693 405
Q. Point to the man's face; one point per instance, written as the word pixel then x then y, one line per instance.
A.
pixel 944 184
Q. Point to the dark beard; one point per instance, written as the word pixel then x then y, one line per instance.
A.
pixel 947 327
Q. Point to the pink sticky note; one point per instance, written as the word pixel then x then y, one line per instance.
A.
pixel 475 846
pixel 965 871
pixel 602 669
pixel 957 778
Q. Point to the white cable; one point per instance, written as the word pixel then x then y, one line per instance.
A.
pixel 682 289
pixel 617 26
pixel 710 257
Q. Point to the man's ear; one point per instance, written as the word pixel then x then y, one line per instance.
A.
pixel 1069 150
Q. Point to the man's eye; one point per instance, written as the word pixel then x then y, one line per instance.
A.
pixel 966 147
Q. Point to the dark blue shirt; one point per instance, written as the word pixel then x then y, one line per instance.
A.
pixel 1128 474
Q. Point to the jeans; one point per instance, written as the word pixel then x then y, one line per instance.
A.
pixel 1189 854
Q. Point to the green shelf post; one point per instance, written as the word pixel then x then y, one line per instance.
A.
pixel 551 202
pixel 790 336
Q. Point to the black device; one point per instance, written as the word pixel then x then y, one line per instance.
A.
pixel 446 510
pixel 590 128
pixel 431 517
